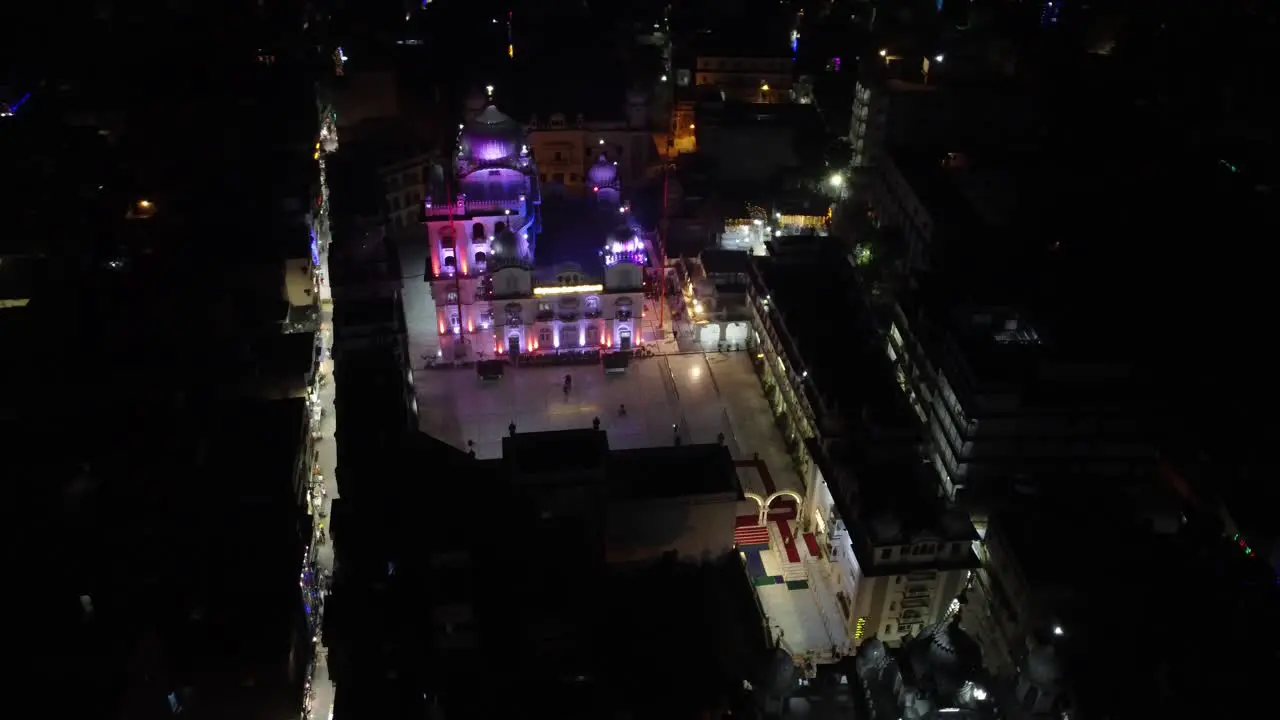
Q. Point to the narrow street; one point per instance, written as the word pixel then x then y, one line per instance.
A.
pixel 322 689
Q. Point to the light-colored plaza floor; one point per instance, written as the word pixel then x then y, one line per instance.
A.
pixel 455 405
pixel 721 391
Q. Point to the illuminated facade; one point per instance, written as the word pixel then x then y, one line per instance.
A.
pixel 484 206
pixel 568 313
pixel 489 299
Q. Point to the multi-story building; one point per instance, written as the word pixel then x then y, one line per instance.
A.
pixel 566 312
pixel 1007 401
pixel 567 148
pixel 764 79
pixel 856 443
pixel 404 185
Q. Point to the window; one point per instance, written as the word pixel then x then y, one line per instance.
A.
pixel 888 628
pixel 893 606
pixel 544 336
pixel 544 307
pixel 885 553
pixel 897 580
pixel 451 298
pixel 453 321
pixel 481 257
pixel 477 232
pixel 573 177
pixel 559 155
pixel 593 335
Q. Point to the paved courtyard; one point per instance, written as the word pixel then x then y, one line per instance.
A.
pixel 457 406
pixel 702 395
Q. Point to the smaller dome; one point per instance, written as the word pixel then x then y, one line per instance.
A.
pixel 945 654
pixel 1043 667
pixel 491 136
pixel 603 173
pixel 872 652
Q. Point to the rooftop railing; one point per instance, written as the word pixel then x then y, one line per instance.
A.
pixel 463 206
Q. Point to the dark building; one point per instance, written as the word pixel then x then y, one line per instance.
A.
pixel 592 538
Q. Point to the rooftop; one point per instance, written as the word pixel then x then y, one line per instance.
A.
pixel 725 262
pixel 270 433
pixel 672 472
pixel 811 283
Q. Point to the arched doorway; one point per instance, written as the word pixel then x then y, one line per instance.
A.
pixel 481 258
pixel 513 344
pixel 789 494
pixel 624 339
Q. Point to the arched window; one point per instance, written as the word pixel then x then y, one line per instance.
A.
pixel 477 232
pixel 481 257
pixel 449 261
pixel 498 228
pixel 593 302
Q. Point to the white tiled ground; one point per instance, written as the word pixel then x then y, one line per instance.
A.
pixel 795 614
pixel 457 406
pixel 720 391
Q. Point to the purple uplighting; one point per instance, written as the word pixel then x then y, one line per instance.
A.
pixel 491 149
pixel 631 251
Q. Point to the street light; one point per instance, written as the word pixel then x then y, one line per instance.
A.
pixel 662 79
pixel 489 89
pixel 836 180
pixel 884 53
pixel 938 58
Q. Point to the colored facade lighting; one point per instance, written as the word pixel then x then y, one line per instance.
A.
pixel 567 290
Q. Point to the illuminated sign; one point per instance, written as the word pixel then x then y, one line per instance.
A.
pixel 568 289
pixel 859 629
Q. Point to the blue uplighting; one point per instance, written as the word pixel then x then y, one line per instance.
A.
pixel 12 108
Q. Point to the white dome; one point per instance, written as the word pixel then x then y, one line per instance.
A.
pixel 603 173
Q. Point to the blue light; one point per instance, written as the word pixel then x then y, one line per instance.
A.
pixel 315 249
pixel 12 108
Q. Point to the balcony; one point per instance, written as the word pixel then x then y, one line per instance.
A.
pixel 592 313
pixel 544 315
pixel 514 320
pixel 567 316
pixel 622 315
pixel 463 206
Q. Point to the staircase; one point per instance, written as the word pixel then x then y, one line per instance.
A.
pixel 794 574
